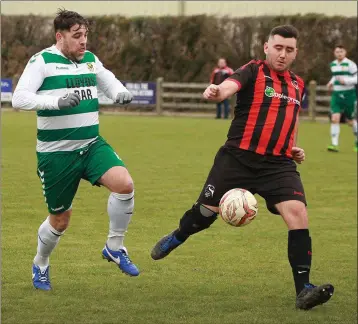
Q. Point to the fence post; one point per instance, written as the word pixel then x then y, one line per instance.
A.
pixel 159 92
pixel 312 100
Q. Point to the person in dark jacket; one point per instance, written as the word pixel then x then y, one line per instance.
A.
pixel 219 74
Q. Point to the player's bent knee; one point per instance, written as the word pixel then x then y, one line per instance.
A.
pixel 196 219
pixel 299 211
pixel 294 214
pixel 126 187
pixel 123 186
pixel 335 119
pixel 61 221
pixel 125 183
pixel 118 180
pixel 209 209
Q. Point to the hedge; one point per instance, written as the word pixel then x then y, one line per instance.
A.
pixel 182 49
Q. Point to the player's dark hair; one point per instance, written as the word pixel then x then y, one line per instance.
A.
pixel 339 46
pixel 286 31
pixel 65 19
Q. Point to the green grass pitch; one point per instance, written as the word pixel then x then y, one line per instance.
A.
pixel 224 275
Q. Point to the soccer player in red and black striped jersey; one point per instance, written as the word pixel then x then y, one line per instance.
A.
pixel 259 155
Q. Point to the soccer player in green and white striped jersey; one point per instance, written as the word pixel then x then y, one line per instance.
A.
pixel 344 99
pixel 61 84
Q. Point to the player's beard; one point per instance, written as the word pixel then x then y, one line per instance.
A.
pixel 281 67
pixel 73 56
pixel 276 67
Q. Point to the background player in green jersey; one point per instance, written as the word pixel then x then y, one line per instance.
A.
pixel 61 84
pixel 344 99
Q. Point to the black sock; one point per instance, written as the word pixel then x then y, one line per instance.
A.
pixel 180 236
pixel 194 221
pixel 300 256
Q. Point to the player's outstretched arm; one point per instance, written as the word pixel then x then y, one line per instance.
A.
pixel 25 96
pixel 220 92
pixel 238 80
pixel 111 86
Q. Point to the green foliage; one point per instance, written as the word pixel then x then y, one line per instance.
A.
pixel 183 48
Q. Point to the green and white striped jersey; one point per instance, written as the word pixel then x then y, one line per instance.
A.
pixel 50 75
pixel 346 69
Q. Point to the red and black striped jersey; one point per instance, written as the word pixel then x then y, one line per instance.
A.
pixel 267 109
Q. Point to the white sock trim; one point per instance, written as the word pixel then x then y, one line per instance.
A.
pixel 53 230
pixel 123 196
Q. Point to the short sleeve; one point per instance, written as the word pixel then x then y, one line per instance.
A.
pixel 244 75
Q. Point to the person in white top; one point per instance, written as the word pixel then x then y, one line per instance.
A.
pixel 344 97
pixel 61 84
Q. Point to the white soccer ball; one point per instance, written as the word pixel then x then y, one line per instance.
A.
pixel 238 207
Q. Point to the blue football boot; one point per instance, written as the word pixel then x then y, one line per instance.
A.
pixel 41 277
pixel 165 245
pixel 121 258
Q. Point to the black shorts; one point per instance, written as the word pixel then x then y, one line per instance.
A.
pixel 274 178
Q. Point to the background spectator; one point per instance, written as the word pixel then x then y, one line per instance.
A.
pixel 219 74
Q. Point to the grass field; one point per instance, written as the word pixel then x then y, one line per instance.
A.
pixel 224 275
